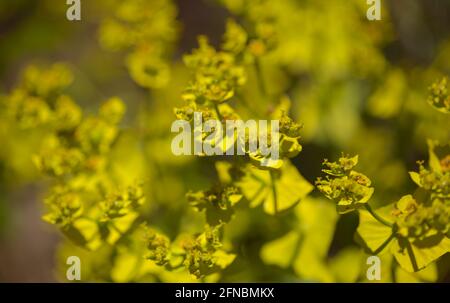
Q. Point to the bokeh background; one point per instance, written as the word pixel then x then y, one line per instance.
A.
pixel 357 86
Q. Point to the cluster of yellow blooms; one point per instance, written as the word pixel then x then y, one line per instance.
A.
pixel 440 96
pixel 261 60
pixel 417 231
pixel 349 188
pixel 147 30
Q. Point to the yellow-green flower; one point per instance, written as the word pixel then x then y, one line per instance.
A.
pixel 439 96
pixel 350 189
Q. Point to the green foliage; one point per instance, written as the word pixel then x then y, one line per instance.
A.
pixel 276 191
pixel 419 232
pixel 134 212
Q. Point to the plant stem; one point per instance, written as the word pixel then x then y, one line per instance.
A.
pixel 259 77
pixel 394 270
pixel 412 257
pixel 376 216
pixel 274 192
pixel 385 243
pixel 219 116
pixel 116 228
pixel 168 266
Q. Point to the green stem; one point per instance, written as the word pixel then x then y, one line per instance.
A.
pixel 385 243
pixel 260 189
pixel 412 257
pixel 259 77
pixel 170 267
pixel 274 192
pixel 219 116
pixel 247 105
pixel 377 217
pixel 394 270
pixel 116 228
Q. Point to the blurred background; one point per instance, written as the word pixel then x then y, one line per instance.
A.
pixel 357 86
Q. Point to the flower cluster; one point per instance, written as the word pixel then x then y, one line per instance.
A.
pixel 435 181
pixel 216 75
pixel 204 254
pixel 439 96
pixel 122 203
pixel 428 213
pixel 263 20
pixel 85 201
pixel 201 255
pixel 158 247
pixel 289 137
pixel 37 100
pixel 217 202
pixel 350 189
pixel 250 205
pixel 419 221
pixel 217 78
pixel 64 206
pixel 417 232
pixel 84 146
pixel 148 29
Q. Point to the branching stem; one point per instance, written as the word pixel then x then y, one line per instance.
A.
pixel 377 217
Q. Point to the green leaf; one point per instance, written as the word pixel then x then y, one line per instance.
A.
pixel 223 259
pixel 306 249
pixel 428 274
pixel 281 251
pixel 118 227
pixel 223 171
pixel 415 177
pixel 310 267
pixel 125 265
pixel 288 189
pixel 415 256
pixel 346 265
pixel 434 162
pixel 74 235
pixel 345 206
pixel 84 233
pixel 373 233
pixel 317 219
